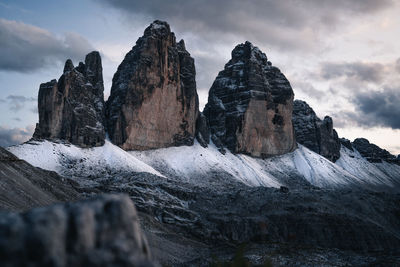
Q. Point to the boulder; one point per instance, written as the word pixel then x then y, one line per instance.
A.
pixel 99 232
pixel 314 133
pixel 249 107
pixel 153 101
pixel 72 108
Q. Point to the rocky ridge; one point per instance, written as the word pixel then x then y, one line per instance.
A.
pixel 372 152
pixel 250 105
pixel 99 232
pixel 314 133
pixel 72 109
pixel 153 101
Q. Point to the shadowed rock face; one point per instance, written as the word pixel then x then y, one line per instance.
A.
pixel 317 135
pixel 250 104
pixel 372 152
pixel 100 232
pixel 153 101
pixel 72 109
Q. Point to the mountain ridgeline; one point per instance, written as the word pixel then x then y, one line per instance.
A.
pixel 154 104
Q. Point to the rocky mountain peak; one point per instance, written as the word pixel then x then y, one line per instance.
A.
pixel 372 152
pixel 314 133
pixel 158 28
pixel 72 108
pixel 68 65
pixel 250 105
pixel 153 101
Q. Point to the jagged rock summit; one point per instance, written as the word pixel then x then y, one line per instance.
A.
pixel 372 152
pixel 249 107
pixel 314 133
pixel 72 109
pixel 153 101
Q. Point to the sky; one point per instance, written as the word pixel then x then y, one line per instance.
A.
pixel 341 56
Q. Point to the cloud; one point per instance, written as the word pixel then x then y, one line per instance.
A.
pixel 359 71
pixel 398 65
pixel 17 102
pixel 308 89
pixel 373 109
pixel 13 136
pixel 286 25
pixel 27 48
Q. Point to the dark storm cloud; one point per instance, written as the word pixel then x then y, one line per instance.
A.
pixel 374 108
pixel 13 136
pixel 17 102
pixel 287 24
pixel 26 48
pixel 359 71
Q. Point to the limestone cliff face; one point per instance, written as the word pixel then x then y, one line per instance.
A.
pixel 317 135
pixel 372 152
pixel 153 101
pixel 72 109
pixel 250 104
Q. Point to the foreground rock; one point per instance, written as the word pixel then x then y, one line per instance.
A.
pixel 72 109
pixel 24 186
pixel 100 232
pixel 153 101
pixel 372 152
pixel 250 105
pixel 317 135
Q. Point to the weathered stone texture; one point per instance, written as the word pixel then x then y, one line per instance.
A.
pixel 100 232
pixel 153 101
pixel 250 105
pixel 72 109
pixel 315 134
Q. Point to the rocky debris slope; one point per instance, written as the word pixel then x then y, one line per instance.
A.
pixel 153 101
pixel 72 109
pixel 23 186
pixel 214 220
pixel 249 107
pixel 317 135
pixel 100 232
pixel 372 152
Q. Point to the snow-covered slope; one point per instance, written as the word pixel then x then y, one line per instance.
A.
pixel 66 159
pixel 201 166
pixel 372 173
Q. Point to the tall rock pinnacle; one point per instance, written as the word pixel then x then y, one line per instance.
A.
pixel 249 107
pixel 317 135
pixel 153 101
pixel 72 109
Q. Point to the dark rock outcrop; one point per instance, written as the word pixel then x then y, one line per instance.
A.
pixel 202 130
pixel 250 104
pixel 315 134
pixel 372 152
pixel 100 232
pixel 153 101
pixel 24 186
pixel 346 143
pixel 72 109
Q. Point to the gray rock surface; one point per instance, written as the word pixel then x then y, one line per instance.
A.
pixel 372 152
pixel 23 186
pixel 99 232
pixel 314 133
pixel 153 101
pixel 202 130
pixel 250 104
pixel 188 224
pixel 72 109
